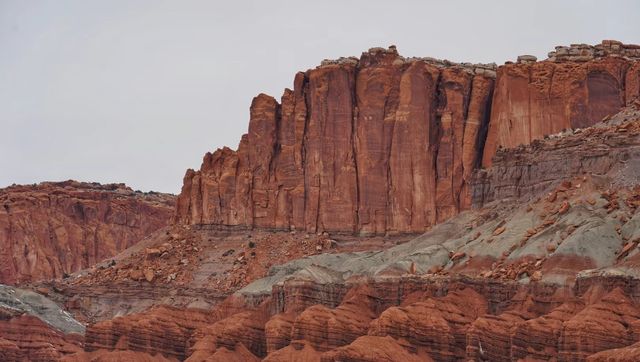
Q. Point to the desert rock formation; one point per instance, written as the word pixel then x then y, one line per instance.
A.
pixel 34 328
pixel 522 179
pixel 56 228
pixel 385 144
pixel 373 145
pixel 546 268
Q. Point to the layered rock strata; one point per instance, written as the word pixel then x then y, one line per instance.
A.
pixel 33 328
pixel 456 321
pixel 27 338
pixel 190 267
pixel 532 100
pixel 162 329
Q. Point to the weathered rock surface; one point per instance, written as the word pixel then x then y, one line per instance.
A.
pixel 162 329
pixel 296 351
pixel 367 146
pixel 427 327
pixel 625 354
pixel 373 349
pixel 326 328
pixel 245 329
pixel 438 326
pixel 385 144
pixel 538 338
pixel 551 308
pixel 610 323
pixel 586 52
pixel 489 337
pixel 534 100
pixel 278 331
pixel 56 228
pixel 528 170
pixel 27 338
pixel 33 328
pixel 548 275
pixel 190 268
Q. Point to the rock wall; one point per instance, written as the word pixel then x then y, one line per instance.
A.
pixel 385 144
pixel 162 330
pixel 553 278
pixel 542 98
pixel 375 145
pixel 52 229
pixel 527 170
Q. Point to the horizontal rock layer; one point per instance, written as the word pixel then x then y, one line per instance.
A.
pixel 163 330
pixel 34 328
pixel 27 338
pixel 385 144
pixel 56 228
pixel 461 319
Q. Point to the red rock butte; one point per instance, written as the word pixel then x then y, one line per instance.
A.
pixel 388 145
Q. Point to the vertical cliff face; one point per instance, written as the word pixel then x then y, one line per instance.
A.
pixel 385 144
pixel 371 145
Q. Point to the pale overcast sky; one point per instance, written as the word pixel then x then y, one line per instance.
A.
pixel 137 91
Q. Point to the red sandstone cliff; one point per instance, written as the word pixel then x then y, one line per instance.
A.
pixel 534 99
pixel 375 145
pixel 54 228
pixel 385 144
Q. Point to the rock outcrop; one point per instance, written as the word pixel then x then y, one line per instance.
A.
pixel 374 349
pixel 385 144
pixel 34 328
pixel 612 322
pixel 451 322
pixel 52 229
pixel 162 329
pixel 533 100
pixel 326 328
pixel 438 325
pixel 527 170
pixel 115 356
pixel 27 338
pixel 190 267
pixel 375 145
